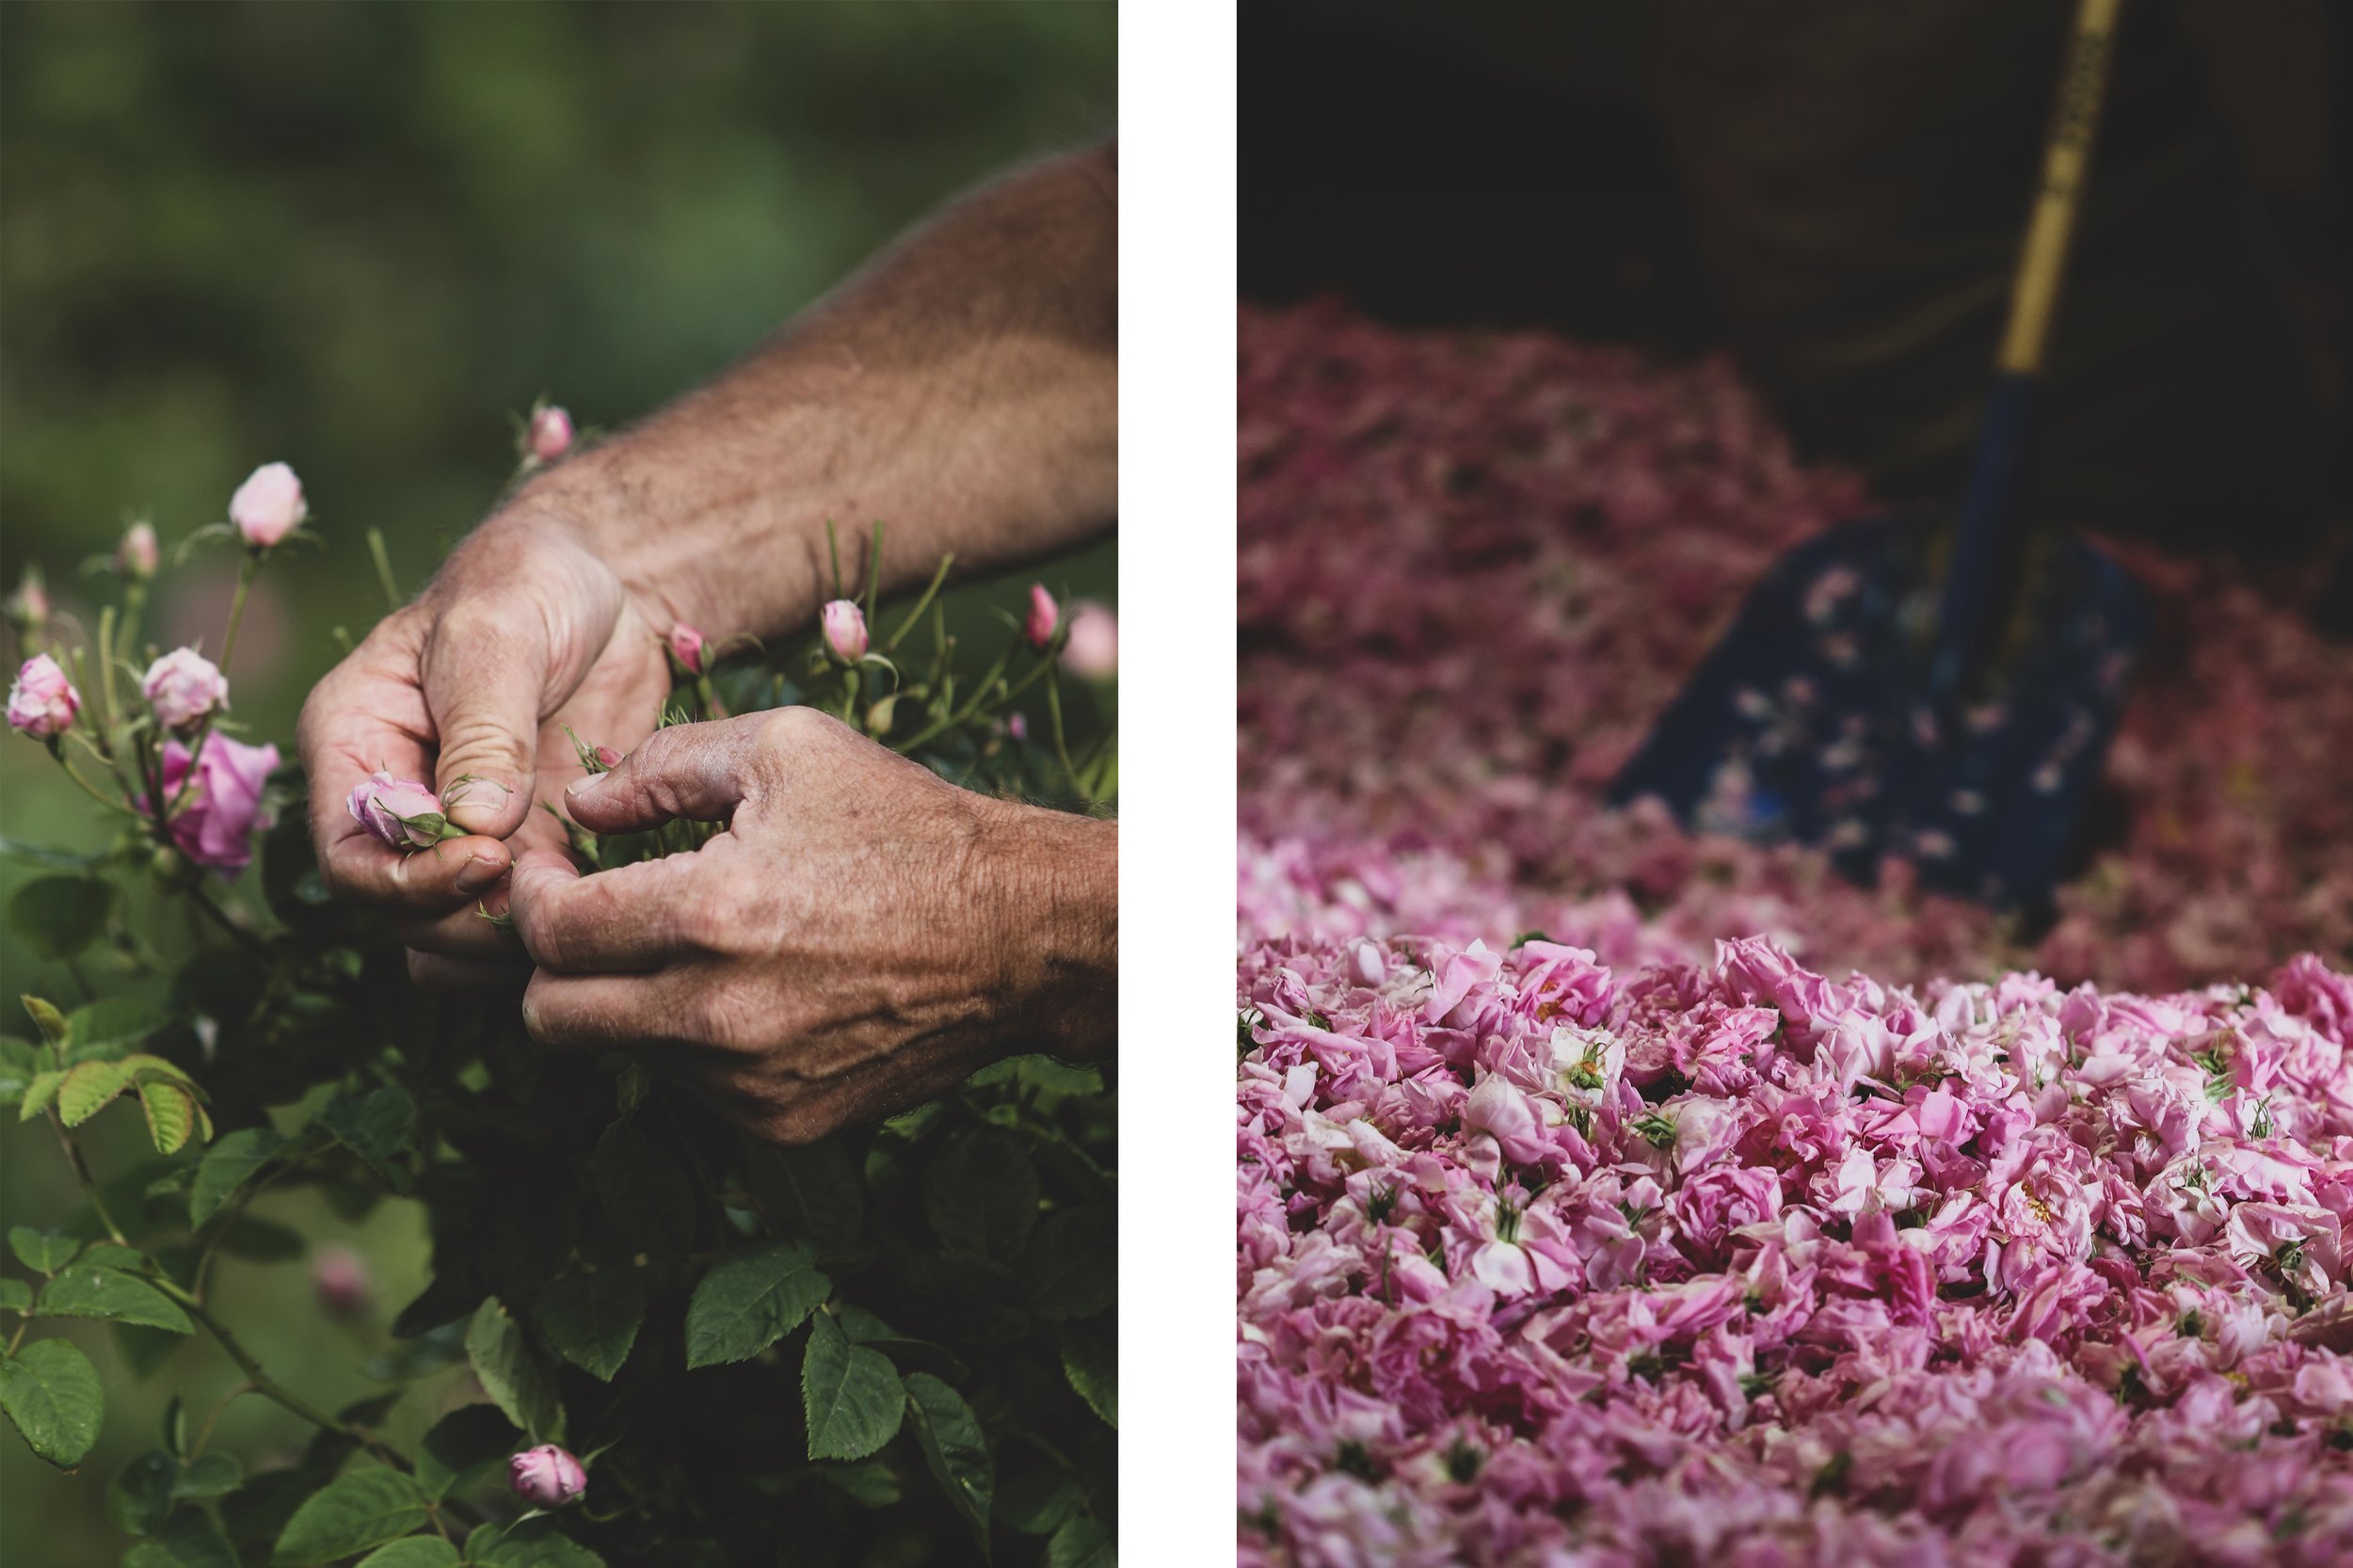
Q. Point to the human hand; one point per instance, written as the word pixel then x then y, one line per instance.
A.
pixel 863 934
pixel 524 633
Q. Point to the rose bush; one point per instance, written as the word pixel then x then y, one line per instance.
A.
pixel 646 1338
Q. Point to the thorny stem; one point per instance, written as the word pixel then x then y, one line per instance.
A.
pixel 952 719
pixel 204 1432
pixel 228 651
pixel 268 1387
pixel 81 1174
pixel 921 604
pixel 92 791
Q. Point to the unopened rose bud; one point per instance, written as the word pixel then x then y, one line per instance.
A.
pixel 42 702
pixel 549 436
pixel 845 630
pixel 340 1278
pixel 27 609
pixel 1044 615
pixel 268 506
pixel 546 1475
pixel 1017 726
pixel 137 556
pixel 608 759
pixel 686 647
pixel 400 812
pixel 1092 650
pixel 185 688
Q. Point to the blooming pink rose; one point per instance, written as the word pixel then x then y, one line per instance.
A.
pixel 686 647
pixel 42 702
pixel 268 506
pixel 845 630
pixel 1091 651
pixel 400 812
pixel 137 556
pixel 340 1278
pixel 221 811
pixel 1044 617
pixel 550 435
pixel 547 1475
pixel 185 688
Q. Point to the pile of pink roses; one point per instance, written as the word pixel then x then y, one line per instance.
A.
pixel 1544 1262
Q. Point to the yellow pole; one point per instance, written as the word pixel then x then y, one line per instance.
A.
pixel 2065 159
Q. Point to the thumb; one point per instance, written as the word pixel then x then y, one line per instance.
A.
pixel 485 679
pixel 701 772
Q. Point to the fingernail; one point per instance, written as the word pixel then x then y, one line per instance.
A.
pixel 582 785
pixel 478 873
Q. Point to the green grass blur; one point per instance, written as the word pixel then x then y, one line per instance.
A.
pixel 359 238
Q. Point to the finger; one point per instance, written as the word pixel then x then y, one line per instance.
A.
pixel 602 1012
pixel 436 972
pixel 628 920
pixel 485 670
pixel 699 771
pixel 477 931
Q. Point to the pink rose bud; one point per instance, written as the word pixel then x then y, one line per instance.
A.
pixel 402 813
pixel 1093 648
pixel 845 630
pixel 608 759
pixel 42 702
pixel 341 1277
pixel 1017 726
pixel 1044 615
pixel 686 647
pixel 137 556
pixel 221 811
pixel 185 688
pixel 550 435
pixel 546 1475
pixel 27 609
pixel 268 506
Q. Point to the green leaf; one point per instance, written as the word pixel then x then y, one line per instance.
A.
pixel 111 1027
pixel 463 1445
pixel 190 1541
pixel 56 917
pixel 1037 1501
pixel 1071 1266
pixel 209 1475
pixel 226 1167
pixel 749 1300
pixel 46 1018
pixel 356 1510
pixel 531 1544
pixel 45 1252
pixel 15 1295
pixel 982 1192
pixel 87 1089
pixel 1082 1544
pixel 86 1290
pixel 413 1551
pixel 870 1482
pixel 379 1127
pixel 170 1116
pixel 955 1448
pixel 852 1395
pixel 1090 1359
pixel 139 1497
pixel 19 1063
pixel 38 1094
pixel 47 859
pixel 510 1373
pixel 591 1319
pixel 259 1241
pixel 645 1191
pixel 51 1391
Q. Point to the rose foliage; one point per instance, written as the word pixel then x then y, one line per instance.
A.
pixel 647 1338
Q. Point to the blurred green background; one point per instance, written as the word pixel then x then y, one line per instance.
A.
pixel 359 238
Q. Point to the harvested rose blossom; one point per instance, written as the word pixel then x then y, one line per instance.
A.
pixel 1044 617
pixel 686 647
pixel 42 702
pixel 137 556
pixel 1091 651
pixel 845 627
pixel 549 436
pixel 28 608
pixel 217 818
pixel 185 688
pixel 339 1275
pixel 547 1475
pixel 401 813
pixel 268 506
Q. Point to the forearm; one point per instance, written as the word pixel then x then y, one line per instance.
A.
pixel 962 389
pixel 1057 907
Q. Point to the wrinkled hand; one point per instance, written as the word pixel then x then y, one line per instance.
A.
pixel 863 937
pixel 524 633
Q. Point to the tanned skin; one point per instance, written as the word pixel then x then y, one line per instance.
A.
pixel 863 934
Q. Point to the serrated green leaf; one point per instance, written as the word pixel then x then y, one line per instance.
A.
pixel 955 1448
pixel 511 1373
pixel 591 1318
pixel 1082 1544
pixel 19 1063
pixel 645 1193
pixel 226 1166
pixel 189 1540
pixel 170 1116
pixel 39 1095
pixel 1090 1359
pixel 52 1393
pixel 1071 1266
pixel 981 1194
pixel 749 1300
pixel 86 1290
pixel 88 1088
pixel 214 1475
pixel 413 1551
pixel 111 1027
pixel 15 1295
pixel 379 1127
pixel 356 1510
pixel 56 917
pixel 531 1544
pixel 138 1498
pixel 851 1395
pixel 462 1445
pixel 45 1252
pixel 108 1254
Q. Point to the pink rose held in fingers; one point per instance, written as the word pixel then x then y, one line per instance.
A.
pixel 402 813
pixel 547 1475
